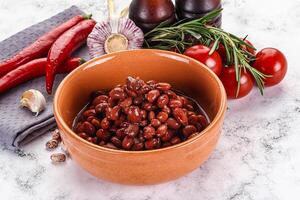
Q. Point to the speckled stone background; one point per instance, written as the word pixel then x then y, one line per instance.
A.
pixel 258 155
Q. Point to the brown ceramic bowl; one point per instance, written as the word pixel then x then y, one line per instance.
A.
pixel 141 167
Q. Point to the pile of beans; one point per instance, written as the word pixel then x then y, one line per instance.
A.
pixel 139 116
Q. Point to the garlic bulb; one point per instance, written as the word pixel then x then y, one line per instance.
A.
pixel 34 100
pixel 115 34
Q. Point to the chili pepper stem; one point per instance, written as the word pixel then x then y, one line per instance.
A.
pixel 88 16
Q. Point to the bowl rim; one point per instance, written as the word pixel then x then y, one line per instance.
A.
pixel 221 110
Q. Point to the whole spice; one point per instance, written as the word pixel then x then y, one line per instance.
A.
pixel 115 34
pixel 160 118
pixel 34 100
pixel 56 135
pixel 33 69
pixel 184 34
pixel 58 157
pixel 64 46
pixel 51 144
pixel 147 14
pixel 40 47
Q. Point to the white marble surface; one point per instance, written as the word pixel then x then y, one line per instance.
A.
pixel 258 155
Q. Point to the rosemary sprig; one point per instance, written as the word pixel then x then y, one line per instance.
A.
pixel 184 34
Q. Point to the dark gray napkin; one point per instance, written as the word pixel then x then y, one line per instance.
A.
pixel 18 126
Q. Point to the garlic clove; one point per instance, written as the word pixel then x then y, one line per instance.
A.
pixel 34 100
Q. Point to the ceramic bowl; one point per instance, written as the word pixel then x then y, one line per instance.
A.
pixel 141 167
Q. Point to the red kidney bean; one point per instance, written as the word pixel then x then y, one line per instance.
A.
pixel 101 107
pixel 132 130
pixel 152 84
pixel 79 127
pixel 168 136
pixel 134 83
pixel 202 120
pixel 151 115
pixel 189 113
pixel 162 101
pixel 161 130
pixel 124 124
pixel 96 123
pixel 143 123
pixel 138 100
pixel 103 135
pixel 89 113
pixel 175 103
pixel 173 124
pixel 189 130
pixel 134 114
pixel 127 142
pixel 112 102
pixel 166 109
pixel 92 139
pixel 90 118
pixel 175 140
pixel 113 129
pixel 119 121
pixel 105 124
pixel 189 107
pixel 155 123
pixel 126 110
pixel 145 89
pixel 151 143
pixel 83 135
pixel 193 119
pixel 138 146
pixel 100 99
pixel 163 86
pixel 180 116
pixel 113 113
pixel 143 114
pixel 149 132
pixel 130 93
pixel 116 141
pixel 162 117
pixel 120 133
pixel 126 102
pixel 152 95
pixel 117 93
pixel 171 94
pixel 88 128
pixel 199 127
pixel 148 106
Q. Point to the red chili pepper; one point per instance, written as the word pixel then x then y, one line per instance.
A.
pixel 64 46
pixel 40 47
pixel 34 69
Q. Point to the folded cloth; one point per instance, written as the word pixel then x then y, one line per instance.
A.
pixel 19 126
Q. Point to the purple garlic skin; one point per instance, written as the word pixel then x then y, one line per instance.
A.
pixel 103 39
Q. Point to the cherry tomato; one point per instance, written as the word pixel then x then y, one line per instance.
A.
pixel 250 50
pixel 230 84
pixel 271 61
pixel 201 53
